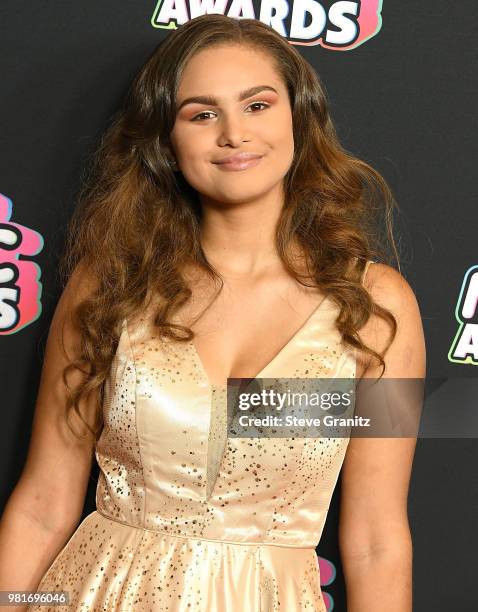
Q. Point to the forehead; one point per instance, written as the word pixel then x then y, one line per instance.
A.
pixel 227 69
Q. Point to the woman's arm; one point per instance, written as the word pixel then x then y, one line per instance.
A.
pixel 374 534
pixel 47 502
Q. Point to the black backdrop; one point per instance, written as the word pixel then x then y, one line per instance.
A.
pixel 405 101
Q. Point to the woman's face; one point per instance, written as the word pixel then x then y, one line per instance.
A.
pixel 207 131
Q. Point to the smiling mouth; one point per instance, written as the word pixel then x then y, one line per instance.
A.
pixel 239 164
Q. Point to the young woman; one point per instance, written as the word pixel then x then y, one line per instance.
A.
pixel 223 164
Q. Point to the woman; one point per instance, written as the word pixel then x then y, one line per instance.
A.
pixel 222 165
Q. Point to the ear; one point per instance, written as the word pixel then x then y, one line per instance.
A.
pixel 171 158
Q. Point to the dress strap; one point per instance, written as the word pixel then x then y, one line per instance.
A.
pixel 364 273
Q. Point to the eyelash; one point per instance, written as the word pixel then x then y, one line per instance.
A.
pixel 206 112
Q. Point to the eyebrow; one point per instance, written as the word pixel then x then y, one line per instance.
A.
pixel 210 100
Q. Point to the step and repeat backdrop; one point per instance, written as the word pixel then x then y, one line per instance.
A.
pixel 401 81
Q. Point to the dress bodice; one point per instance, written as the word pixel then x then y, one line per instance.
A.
pixel 166 465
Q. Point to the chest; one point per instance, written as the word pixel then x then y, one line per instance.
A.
pixel 245 328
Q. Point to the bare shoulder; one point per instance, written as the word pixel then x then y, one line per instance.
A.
pixel 62 347
pixel 81 284
pixel 389 289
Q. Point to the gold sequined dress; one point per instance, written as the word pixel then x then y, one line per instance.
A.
pixel 181 527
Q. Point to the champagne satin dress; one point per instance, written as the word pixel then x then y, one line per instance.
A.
pixel 188 520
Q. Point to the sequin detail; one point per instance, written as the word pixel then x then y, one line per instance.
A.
pixel 188 519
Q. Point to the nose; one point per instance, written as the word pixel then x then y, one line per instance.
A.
pixel 232 129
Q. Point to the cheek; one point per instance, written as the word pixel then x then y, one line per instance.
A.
pixel 283 146
pixel 187 142
pixel 198 171
pixel 195 146
pixel 279 129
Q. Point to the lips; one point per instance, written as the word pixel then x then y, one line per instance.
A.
pixel 237 158
pixel 239 161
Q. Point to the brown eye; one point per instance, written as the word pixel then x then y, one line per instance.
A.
pixel 260 103
pixel 200 115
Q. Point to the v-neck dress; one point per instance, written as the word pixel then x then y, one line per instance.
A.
pixel 188 519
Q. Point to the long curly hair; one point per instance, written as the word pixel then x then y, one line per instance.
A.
pixel 137 223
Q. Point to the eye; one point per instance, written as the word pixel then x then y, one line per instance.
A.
pixel 261 103
pixel 198 116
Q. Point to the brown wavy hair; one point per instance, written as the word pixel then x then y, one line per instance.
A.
pixel 137 223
